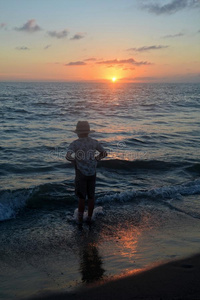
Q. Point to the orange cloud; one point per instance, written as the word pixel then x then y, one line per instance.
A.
pixel 118 62
pixel 91 59
pixel 76 63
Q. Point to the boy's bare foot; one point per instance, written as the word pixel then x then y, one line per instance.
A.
pixel 80 226
pixel 80 217
pixel 89 220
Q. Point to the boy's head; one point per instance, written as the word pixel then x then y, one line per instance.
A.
pixel 83 129
pixel 82 135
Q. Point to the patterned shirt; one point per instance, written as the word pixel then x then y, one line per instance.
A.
pixel 85 149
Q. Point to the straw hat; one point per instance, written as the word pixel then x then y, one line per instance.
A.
pixel 83 127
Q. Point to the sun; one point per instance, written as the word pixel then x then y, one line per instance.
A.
pixel 114 79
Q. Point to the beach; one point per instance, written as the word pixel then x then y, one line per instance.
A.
pixel 174 280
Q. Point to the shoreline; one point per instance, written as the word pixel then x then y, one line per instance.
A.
pixel 178 279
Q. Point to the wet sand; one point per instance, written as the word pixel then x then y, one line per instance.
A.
pixel 174 280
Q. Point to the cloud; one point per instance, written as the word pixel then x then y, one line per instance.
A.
pixel 173 35
pixel 76 63
pixel 22 48
pixel 171 7
pixel 47 47
pixel 91 59
pixel 3 25
pixel 148 48
pixel 78 36
pixel 30 26
pixel 129 61
pixel 59 34
pixel 125 63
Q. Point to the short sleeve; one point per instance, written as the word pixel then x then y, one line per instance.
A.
pixel 99 147
pixel 72 147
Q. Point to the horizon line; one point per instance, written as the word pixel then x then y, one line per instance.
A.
pixel 96 81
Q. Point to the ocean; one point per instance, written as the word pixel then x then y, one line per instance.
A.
pixel 147 191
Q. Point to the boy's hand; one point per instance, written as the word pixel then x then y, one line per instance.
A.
pixel 69 157
pixel 101 155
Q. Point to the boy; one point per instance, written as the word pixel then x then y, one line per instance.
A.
pixel 85 163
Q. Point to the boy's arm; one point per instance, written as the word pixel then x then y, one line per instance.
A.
pixel 69 156
pixel 102 152
pixel 101 155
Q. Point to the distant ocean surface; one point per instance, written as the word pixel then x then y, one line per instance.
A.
pixel 150 180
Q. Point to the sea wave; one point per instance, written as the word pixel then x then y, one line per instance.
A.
pixel 161 165
pixel 165 192
pixel 59 195
pixel 42 196
pixel 11 202
pixel 108 164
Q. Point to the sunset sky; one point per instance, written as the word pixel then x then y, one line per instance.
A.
pixel 72 40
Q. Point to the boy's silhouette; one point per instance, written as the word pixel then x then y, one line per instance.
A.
pixel 85 163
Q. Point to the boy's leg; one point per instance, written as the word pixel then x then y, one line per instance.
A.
pixel 81 208
pixel 91 195
pixel 80 190
pixel 90 208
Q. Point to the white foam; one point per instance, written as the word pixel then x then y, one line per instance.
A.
pixel 11 202
pixel 166 192
pixel 97 211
